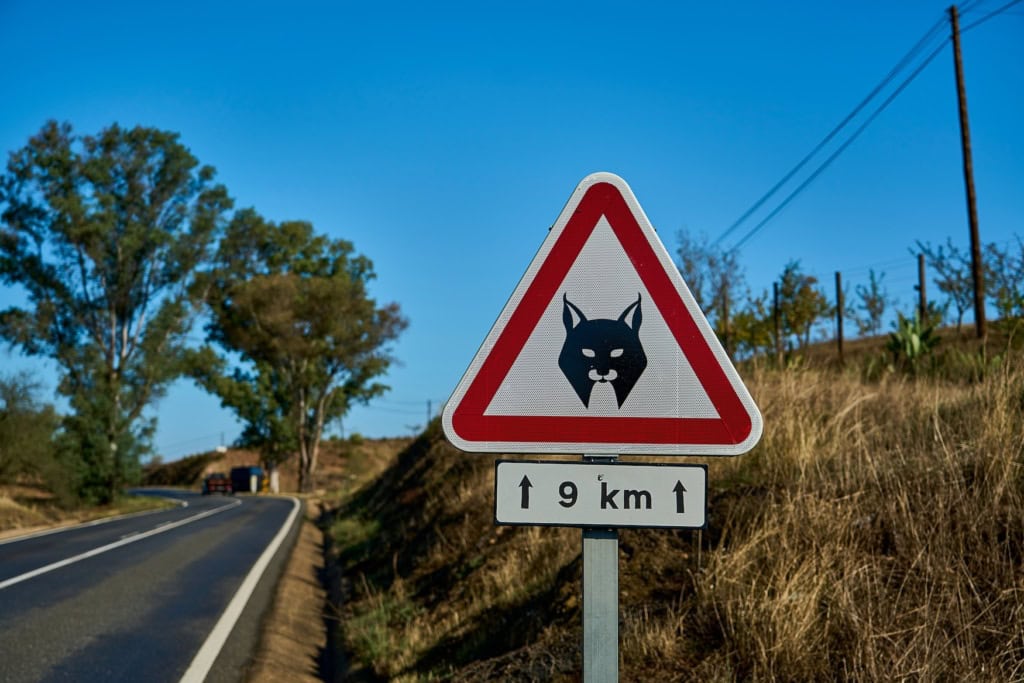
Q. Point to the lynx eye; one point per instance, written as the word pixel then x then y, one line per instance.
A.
pixel 589 353
pixel 615 353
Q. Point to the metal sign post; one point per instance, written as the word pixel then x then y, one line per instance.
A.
pixel 600 495
pixel 600 600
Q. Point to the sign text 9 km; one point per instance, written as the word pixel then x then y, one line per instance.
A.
pixel 587 494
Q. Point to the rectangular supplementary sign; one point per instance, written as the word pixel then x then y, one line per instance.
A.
pixel 590 494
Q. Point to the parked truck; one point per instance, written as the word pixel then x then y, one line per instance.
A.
pixel 248 480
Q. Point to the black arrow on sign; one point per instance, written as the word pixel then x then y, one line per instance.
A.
pixel 679 491
pixel 525 485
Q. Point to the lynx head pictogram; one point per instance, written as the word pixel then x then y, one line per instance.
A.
pixel 602 350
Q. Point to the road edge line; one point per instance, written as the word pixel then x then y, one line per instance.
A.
pixel 207 654
pixel 111 546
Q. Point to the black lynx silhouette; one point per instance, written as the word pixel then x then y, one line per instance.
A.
pixel 602 351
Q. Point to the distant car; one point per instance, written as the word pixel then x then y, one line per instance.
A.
pixel 217 482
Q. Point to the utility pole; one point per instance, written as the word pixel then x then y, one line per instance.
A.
pixel 839 315
pixel 972 208
pixel 430 414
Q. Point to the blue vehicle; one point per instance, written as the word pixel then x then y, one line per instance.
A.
pixel 248 479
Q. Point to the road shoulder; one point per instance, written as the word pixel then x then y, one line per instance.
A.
pixel 294 636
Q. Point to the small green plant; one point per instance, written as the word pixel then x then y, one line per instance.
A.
pixel 912 341
pixel 353 536
pixel 374 631
pixel 968 366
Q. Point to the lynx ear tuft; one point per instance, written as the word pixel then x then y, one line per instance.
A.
pixel 567 310
pixel 637 315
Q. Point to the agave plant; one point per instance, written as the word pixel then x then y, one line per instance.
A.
pixel 911 341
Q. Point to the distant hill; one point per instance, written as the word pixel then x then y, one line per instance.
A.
pixel 338 459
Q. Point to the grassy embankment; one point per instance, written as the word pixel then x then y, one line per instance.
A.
pixel 875 533
pixel 25 508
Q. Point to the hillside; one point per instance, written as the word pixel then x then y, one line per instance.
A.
pixel 875 533
pixel 340 461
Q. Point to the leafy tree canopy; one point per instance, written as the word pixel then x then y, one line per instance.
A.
pixel 801 302
pixel 873 300
pixel 952 267
pixel 715 278
pixel 104 234
pixel 292 306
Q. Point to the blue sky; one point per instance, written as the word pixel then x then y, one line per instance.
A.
pixel 444 138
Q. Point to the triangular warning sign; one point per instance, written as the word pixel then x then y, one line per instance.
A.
pixel 602 349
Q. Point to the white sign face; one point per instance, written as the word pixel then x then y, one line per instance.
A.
pixel 602 349
pixel 589 494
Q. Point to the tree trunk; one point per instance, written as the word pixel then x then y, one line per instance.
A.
pixel 309 448
pixel 305 473
pixel 305 469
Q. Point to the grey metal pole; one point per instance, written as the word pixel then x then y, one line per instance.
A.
pixel 600 600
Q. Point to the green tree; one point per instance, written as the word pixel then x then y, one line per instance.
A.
pixel 27 430
pixel 952 267
pixel 1004 279
pixel 104 234
pixel 715 278
pixel 873 300
pixel 753 326
pixel 801 303
pixel 293 308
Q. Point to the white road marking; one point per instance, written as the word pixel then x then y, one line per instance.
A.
pixel 116 544
pixel 95 522
pixel 204 659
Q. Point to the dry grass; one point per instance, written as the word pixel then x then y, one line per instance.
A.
pixel 26 508
pixel 886 542
pixel 422 570
pixel 876 533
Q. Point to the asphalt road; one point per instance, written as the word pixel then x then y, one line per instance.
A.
pixel 136 599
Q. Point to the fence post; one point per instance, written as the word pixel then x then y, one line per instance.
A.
pixel 778 326
pixel 839 315
pixel 922 297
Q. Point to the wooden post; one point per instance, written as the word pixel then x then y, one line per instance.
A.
pixel 839 315
pixel 778 325
pixel 922 296
pixel 972 208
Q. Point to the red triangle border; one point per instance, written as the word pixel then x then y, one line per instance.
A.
pixel 470 424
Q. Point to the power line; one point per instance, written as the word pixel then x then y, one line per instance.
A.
pixel 917 47
pixel 194 439
pixel 880 265
pixel 970 6
pixel 842 148
pixel 989 16
pixel 907 58
pixel 396 411
pixel 404 402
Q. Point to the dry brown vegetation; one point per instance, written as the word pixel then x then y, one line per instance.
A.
pixel 342 462
pixel 27 508
pixel 875 533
